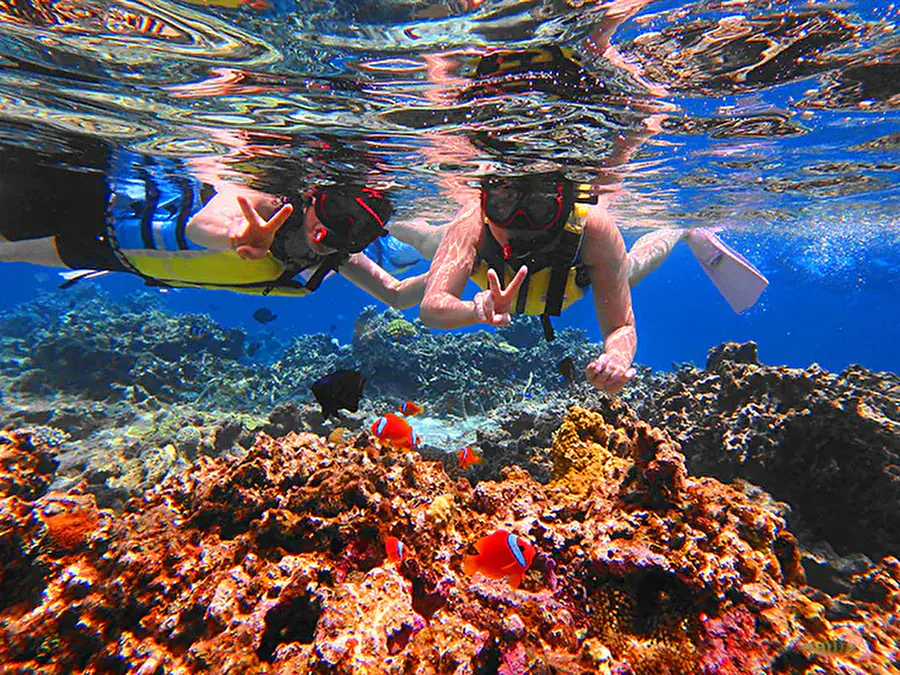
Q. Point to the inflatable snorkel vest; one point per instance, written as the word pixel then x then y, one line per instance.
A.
pixel 544 217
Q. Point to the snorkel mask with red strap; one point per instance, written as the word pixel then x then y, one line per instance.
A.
pixel 530 208
pixel 350 217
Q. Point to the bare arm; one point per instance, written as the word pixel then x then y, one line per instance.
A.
pixel 222 221
pixel 398 293
pixel 603 251
pixel 450 270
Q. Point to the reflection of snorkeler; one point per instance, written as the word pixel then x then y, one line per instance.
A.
pixel 142 215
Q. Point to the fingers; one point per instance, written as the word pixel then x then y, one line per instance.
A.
pixel 516 281
pixel 503 319
pixel 256 221
pixel 248 252
pixel 608 374
pixel 493 282
pixel 249 212
pixel 280 218
pixel 483 314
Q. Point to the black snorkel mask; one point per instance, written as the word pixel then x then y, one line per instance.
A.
pixel 350 217
pixel 531 209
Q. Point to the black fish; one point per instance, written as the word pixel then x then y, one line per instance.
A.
pixel 252 348
pixel 566 368
pixel 340 389
pixel 264 315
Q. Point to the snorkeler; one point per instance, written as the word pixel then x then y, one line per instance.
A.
pixel 137 215
pixel 536 243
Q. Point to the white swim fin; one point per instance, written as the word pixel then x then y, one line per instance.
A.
pixel 739 282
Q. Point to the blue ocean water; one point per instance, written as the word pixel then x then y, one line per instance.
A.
pixel 830 247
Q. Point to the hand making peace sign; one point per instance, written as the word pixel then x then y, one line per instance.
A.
pixel 492 306
pixel 256 239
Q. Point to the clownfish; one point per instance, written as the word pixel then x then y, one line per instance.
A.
pixel 467 457
pixel 394 549
pixel 396 431
pixel 410 409
pixel 501 555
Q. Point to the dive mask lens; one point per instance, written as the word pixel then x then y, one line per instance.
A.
pixel 351 222
pixel 334 211
pixel 542 208
pixel 500 201
pixel 514 209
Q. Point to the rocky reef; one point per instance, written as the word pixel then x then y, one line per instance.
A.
pixel 826 443
pixel 275 562
pixel 180 506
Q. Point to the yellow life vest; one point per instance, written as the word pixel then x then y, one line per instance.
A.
pixel 536 293
pixel 213 269
pixel 539 279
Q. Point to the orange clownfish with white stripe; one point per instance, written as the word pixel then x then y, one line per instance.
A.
pixel 501 554
pixel 396 431
pixel 468 457
pixel 394 549
pixel 410 409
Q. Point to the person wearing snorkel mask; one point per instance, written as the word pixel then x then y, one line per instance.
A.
pixel 536 243
pixel 142 216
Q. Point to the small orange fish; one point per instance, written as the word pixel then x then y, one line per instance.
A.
pixel 410 409
pixel 501 555
pixel 395 550
pixel 468 457
pixel 396 431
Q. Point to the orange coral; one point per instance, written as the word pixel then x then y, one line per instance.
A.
pixel 69 520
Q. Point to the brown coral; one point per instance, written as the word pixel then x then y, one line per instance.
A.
pixel 275 562
pixel 69 520
pixel 826 443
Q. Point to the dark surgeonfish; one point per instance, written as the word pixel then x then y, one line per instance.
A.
pixel 337 390
pixel 264 315
pixel 566 368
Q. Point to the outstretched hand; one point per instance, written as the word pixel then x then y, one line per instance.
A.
pixel 492 306
pixel 256 239
pixel 609 373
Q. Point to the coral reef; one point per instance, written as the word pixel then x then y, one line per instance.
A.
pixel 142 352
pixel 275 562
pixel 460 374
pixel 828 444
pixel 248 532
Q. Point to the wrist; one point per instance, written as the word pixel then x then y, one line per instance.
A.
pixel 619 356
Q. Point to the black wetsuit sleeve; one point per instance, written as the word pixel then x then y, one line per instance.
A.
pixel 44 196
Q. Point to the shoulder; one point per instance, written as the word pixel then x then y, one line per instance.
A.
pixel 467 227
pixel 599 221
